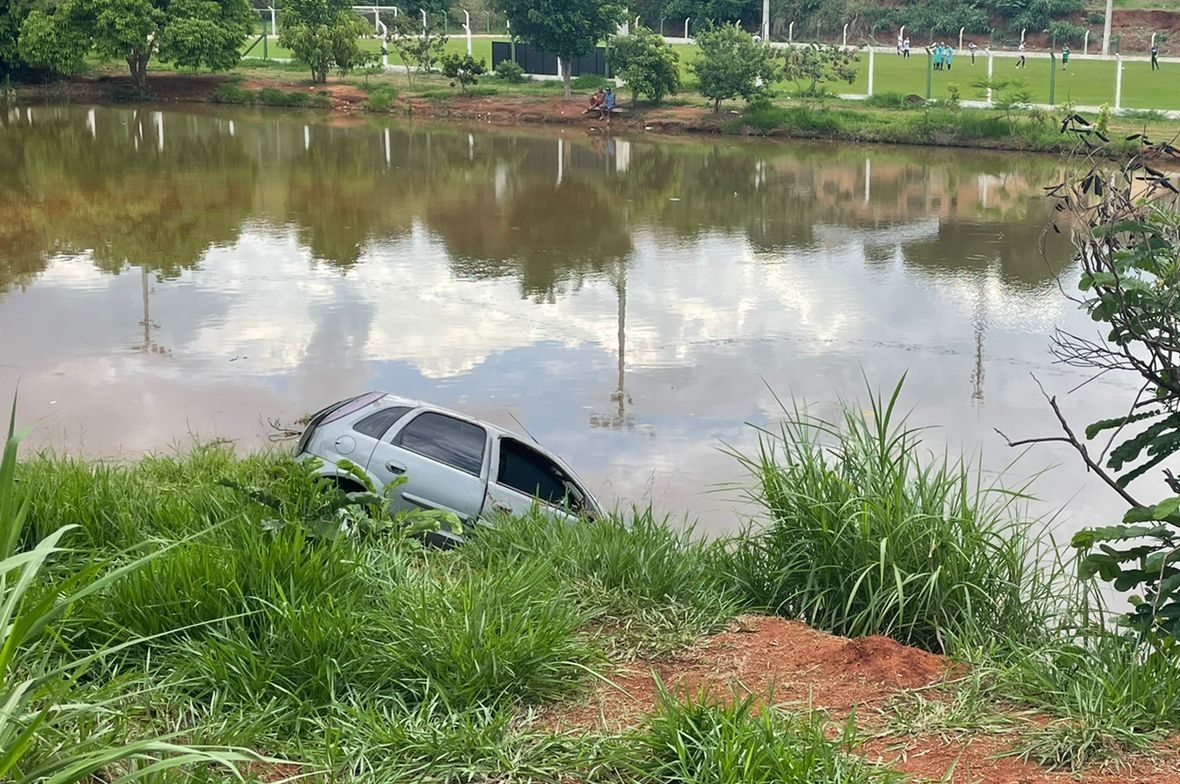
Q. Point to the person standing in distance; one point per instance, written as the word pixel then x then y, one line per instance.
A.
pixel 1065 57
pixel 1155 57
pixel 971 47
pixel 1021 62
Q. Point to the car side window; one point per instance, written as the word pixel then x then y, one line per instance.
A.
pixel 448 440
pixel 528 471
pixel 378 424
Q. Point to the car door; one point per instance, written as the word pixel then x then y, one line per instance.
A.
pixel 523 477
pixel 443 460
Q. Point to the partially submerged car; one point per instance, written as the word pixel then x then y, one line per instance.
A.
pixel 447 461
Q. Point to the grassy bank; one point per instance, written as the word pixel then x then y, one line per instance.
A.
pixel 232 603
pixel 897 116
pixel 888 119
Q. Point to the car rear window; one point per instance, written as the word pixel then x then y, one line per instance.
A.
pixel 448 440
pixel 378 424
pixel 352 406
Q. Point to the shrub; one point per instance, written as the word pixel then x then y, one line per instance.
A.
pixel 463 69
pixel 649 66
pixel 232 93
pixel 869 536
pixel 510 71
pixel 380 99
pixel 954 97
pixel 1067 32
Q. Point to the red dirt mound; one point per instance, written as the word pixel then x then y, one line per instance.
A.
pixel 792 666
pixel 785 662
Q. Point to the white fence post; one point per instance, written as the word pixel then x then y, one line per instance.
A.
pixel 423 10
pixel 766 20
pixel 961 29
pixel 686 21
pixel 790 32
pixel 1118 82
pixel 872 65
pixel 1086 44
pixel 990 69
pixel 1106 27
pixel 844 41
pixel 1022 30
pixel 467 29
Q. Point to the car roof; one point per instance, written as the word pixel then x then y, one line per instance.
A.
pixel 390 399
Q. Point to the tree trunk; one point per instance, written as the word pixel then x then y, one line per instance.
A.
pixel 137 62
pixel 567 71
pixel 717 106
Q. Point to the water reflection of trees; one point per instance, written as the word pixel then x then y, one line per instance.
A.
pixel 548 213
pixel 542 233
pixel 128 199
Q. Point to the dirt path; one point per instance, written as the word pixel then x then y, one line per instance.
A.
pixel 793 666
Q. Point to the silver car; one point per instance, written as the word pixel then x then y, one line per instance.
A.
pixel 450 462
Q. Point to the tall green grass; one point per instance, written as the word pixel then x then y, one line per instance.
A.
pixel 651 588
pixel 55 728
pixel 258 621
pixel 696 740
pixel 869 533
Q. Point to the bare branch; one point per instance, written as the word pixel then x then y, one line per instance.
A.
pixel 1079 447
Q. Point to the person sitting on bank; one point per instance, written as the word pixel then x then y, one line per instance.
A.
pixel 596 101
pixel 608 104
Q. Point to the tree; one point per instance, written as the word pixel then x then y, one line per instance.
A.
pixel 648 65
pixel 420 49
pixel 704 11
pixel 325 34
pixel 52 41
pixel 732 64
pixel 814 64
pixel 567 28
pixel 463 69
pixel 1127 237
pixel 190 33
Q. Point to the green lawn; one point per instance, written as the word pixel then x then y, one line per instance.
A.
pixel 1088 82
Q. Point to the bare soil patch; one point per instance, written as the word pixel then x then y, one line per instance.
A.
pixel 794 667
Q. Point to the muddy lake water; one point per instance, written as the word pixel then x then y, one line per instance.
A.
pixel 639 305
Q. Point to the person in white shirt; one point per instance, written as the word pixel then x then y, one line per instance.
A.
pixel 1021 62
